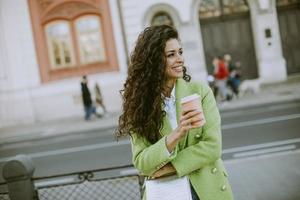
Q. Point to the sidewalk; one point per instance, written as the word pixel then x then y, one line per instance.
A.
pixel 269 94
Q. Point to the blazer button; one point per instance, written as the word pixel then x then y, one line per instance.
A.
pixel 197 136
pixel 223 188
pixel 214 170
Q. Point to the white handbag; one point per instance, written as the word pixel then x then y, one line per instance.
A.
pixel 168 188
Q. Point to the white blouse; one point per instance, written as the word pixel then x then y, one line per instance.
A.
pixel 170 108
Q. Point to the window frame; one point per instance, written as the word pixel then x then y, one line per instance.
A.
pixel 101 39
pixel 221 11
pixel 53 66
pixel 159 14
pixel 41 16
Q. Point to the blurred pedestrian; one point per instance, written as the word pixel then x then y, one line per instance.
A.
pixel 231 76
pixel 163 139
pixel 89 108
pixel 228 62
pixel 212 81
pixel 234 79
pixel 100 107
pixel 221 74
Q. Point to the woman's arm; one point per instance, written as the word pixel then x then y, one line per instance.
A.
pixel 149 158
pixel 166 170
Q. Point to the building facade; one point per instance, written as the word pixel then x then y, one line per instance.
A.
pixel 47 45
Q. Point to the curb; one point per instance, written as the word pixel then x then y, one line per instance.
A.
pixel 230 107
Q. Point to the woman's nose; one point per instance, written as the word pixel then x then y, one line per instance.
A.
pixel 180 58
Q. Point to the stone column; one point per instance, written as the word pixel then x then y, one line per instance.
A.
pixel 271 64
pixel 19 70
pixel 18 175
pixel 193 50
pixel 191 35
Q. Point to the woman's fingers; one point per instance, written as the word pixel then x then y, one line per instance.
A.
pixel 184 112
pixel 189 114
pixel 190 119
pixel 195 118
pixel 193 122
pixel 198 123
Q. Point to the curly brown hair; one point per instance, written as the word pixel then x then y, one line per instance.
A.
pixel 143 101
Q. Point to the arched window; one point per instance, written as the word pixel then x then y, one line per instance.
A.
pixel 219 8
pixel 59 42
pixel 161 18
pixel 89 38
pixel 73 38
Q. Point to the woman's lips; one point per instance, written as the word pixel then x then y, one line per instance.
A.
pixel 178 68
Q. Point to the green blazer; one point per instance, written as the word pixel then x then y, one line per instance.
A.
pixel 197 156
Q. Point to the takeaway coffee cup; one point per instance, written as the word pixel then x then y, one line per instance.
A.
pixel 192 102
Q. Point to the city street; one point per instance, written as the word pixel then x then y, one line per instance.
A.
pixel 68 68
pixel 261 136
pixel 274 126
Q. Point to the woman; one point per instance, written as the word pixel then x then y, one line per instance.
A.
pixel 163 139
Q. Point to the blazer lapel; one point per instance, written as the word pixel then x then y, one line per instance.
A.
pixel 166 129
pixel 182 90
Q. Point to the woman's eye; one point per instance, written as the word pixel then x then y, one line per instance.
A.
pixel 170 55
pixel 180 52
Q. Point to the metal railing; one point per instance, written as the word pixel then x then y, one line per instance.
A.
pixel 118 183
pixel 4 196
pixel 92 185
pixel 126 188
pixel 4 192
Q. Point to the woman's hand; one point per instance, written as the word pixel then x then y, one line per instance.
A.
pixel 166 170
pixel 187 119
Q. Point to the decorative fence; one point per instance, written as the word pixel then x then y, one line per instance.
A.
pixel 123 188
pixel 4 196
pixel 106 184
pixel 4 192
pixel 121 183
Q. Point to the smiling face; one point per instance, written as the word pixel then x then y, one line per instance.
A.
pixel 174 61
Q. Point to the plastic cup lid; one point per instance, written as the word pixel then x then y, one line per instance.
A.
pixel 189 98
